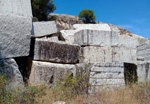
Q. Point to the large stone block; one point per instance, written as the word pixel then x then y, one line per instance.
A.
pixel 123 54
pixel 98 38
pixel 106 75
pixel 100 27
pixel 143 72
pixel 44 28
pixel 15 33
pixel 60 52
pixel 93 54
pixel 49 73
pixel 68 35
pixel 16 7
pixel 143 52
pixel 9 68
pixel 127 41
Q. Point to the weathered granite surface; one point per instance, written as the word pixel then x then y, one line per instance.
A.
pixel 49 73
pixel 15 33
pixel 143 72
pixel 16 7
pixel 68 35
pixel 106 75
pixel 143 52
pixel 94 37
pixel 59 52
pixel 44 28
pixel 95 54
pixel 9 68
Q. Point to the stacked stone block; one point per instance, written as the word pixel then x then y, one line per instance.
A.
pixel 51 59
pixel 15 33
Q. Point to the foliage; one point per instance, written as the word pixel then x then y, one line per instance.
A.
pixel 87 15
pixel 52 18
pixel 41 8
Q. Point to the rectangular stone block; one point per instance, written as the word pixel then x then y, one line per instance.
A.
pixel 59 52
pixel 93 54
pixel 143 52
pixel 15 33
pixel 100 27
pixel 127 41
pixel 49 73
pixel 106 81
pixel 16 7
pixel 143 72
pixel 106 76
pixel 44 28
pixel 124 54
pixel 95 37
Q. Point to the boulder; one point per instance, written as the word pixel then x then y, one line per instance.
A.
pixel 44 28
pixel 100 27
pixel 16 7
pixel 13 77
pixel 49 73
pixel 106 76
pixel 15 32
pixel 95 54
pixel 95 37
pixel 59 52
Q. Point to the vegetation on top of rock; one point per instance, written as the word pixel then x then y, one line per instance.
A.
pixel 41 8
pixel 87 15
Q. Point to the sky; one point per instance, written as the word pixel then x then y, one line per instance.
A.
pixel 133 15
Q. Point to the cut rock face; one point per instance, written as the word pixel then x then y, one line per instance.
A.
pixel 49 73
pixel 15 33
pixel 59 52
pixel 9 69
pixel 94 37
pixel 143 52
pixel 93 54
pixel 16 7
pixel 44 28
pixel 100 27
pixel 143 72
pixel 106 76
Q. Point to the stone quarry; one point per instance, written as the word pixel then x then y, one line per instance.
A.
pixel 41 53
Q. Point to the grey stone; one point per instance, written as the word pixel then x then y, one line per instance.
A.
pixel 68 35
pixel 15 35
pixel 94 54
pixel 9 68
pixel 98 38
pixel 143 72
pixel 44 28
pixel 49 73
pixel 100 27
pixel 106 76
pixel 59 52
pixel 124 54
pixel 143 52
pixel 16 7
pixel 127 41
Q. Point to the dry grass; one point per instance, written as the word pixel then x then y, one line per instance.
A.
pixel 132 94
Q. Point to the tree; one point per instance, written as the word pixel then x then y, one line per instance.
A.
pixel 41 8
pixel 87 15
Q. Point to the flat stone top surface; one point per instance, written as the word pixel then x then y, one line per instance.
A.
pixel 16 7
pixel 109 64
pixel 103 27
pixel 44 28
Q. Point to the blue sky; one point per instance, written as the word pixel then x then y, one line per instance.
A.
pixel 133 15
